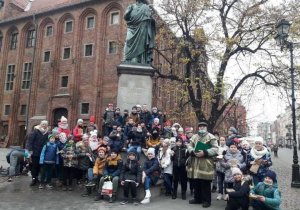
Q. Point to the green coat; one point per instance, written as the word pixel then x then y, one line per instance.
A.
pixel 273 200
pixel 202 167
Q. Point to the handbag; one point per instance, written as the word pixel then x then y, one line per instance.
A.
pixel 107 188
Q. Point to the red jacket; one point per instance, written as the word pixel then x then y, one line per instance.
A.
pixel 182 136
pixel 76 133
pixel 66 131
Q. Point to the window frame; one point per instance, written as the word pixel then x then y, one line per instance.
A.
pixel 26 80
pixel 23 105
pixel 81 108
pixel 1 42
pixel 87 22
pixel 4 111
pixel 13 77
pixel 31 34
pixel 61 84
pixel 88 56
pixel 159 91
pixel 66 22
pixel 49 56
pixel 108 51
pixel 46 30
pixel 63 53
pixel 14 42
pixel 111 18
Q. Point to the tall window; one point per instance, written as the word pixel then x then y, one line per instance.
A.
pixel 159 91
pixel 14 41
pixel 85 108
pixel 9 84
pixel 112 48
pixel 64 81
pixel 1 42
pixel 67 53
pixel 6 110
pixel 114 18
pixel 26 76
pixel 30 38
pixel 49 31
pixel 23 110
pixel 90 22
pixel 46 56
pixel 69 27
pixel 88 50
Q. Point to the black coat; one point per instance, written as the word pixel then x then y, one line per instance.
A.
pixel 240 196
pixel 131 171
pixel 36 141
pixel 151 166
pixel 146 118
pixel 179 157
pixel 138 138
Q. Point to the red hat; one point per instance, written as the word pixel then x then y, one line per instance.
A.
pixel 168 123
pixel 110 105
pixel 92 119
pixel 188 129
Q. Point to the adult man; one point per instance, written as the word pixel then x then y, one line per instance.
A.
pixel 37 139
pixel 109 118
pixel 145 116
pixel 202 148
pixel 231 135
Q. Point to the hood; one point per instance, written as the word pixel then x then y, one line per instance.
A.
pixel 176 124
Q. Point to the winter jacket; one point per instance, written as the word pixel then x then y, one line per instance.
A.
pixel 152 141
pixel 271 193
pixel 226 164
pixel 145 117
pixel 138 138
pixel 202 167
pixel 240 194
pixel 127 130
pixel 165 161
pixel 151 167
pixel 131 171
pixel 66 131
pixel 136 118
pixel 109 118
pixel 180 155
pixel 262 168
pixel 99 165
pixel 113 167
pixel 70 150
pixel 124 120
pixel 49 154
pixel 36 141
pixel 153 116
pixel 219 168
pixel 76 133
pixel 116 140
pixel 60 147
pixel 167 133
pixel 90 128
pixel 230 139
pixel 84 162
pixel 118 119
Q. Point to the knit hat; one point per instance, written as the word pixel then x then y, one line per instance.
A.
pixel 138 106
pixel 110 105
pixel 92 119
pixel 132 152
pixel 168 123
pixel 178 138
pixel 105 138
pixel 93 133
pixel 27 154
pixel 45 122
pixel 114 150
pixel 151 151
pixel 234 142
pixel 173 140
pixel 102 148
pixel 79 121
pixel 272 175
pixel 180 130
pixel 167 141
pixel 51 135
pixel 54 132
pixel 245 143
pixel 233 130
pixel 203 124
pixel 259 140
pixel 154 108
pixel 85 137
pixel 188 130
pixel 71 138
pixel 236 171
pixel 118 109
pixel 63 119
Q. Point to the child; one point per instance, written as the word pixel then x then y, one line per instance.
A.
pixel 116 139
pixel 93 140
pixel 181 134
pixel 112 169
pixel 179 168
pixel 137 140
pixel 232 159
pixel 164 159
pixel 154 141
pixel 69 154
pixel 49 157
pixel 150 173
pixel 173 141
pixel 239 198
pixel 220 170
pixel 85 159
pixel 266 195
pixel 60 145
pixel 131 177
pixel 63 126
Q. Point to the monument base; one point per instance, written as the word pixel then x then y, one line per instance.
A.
pixel 135 85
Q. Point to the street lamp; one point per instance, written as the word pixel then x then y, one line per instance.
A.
pixel 283 28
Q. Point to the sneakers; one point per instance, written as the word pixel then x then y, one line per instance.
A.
pixel 193 201
pixel 50 186
pixel 9 179
pixel 219 197
pixel 64 188
pixel 135 202
pixel 70 189
pixel 90 184
pixel 112 199
pixel 41 186
pixel 123 202
pixel 146 200
pixel 33 183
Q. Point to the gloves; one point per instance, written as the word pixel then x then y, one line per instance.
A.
pixel 224 152
pixel 107 178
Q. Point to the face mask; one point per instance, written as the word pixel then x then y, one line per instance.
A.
pixel 63 140
pixel 202 131
pixel 64 126
pixel 267 184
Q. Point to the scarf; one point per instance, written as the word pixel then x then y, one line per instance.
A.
pixel 64 126
pixel 43 131
pixel 258 154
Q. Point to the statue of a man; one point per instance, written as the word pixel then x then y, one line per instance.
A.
pixel 141 30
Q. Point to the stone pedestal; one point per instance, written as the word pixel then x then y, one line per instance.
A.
pixel 135 86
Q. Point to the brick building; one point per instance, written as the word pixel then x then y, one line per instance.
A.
pixel 79 43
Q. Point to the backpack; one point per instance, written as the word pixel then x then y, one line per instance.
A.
pixel 273 189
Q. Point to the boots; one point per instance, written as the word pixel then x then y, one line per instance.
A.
pixel 33 183
pixel 183 195
pixel 174 195
pixel 88 192
pixel 112 198
pixel 99 197
pixel 147 197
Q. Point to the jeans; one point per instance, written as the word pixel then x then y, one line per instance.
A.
pixel 168 182
pixel 115 182
pixel 215 180
pixel 47 172
pixel 16 157
pixel 137 148
pixel 221 177
pixel 147 183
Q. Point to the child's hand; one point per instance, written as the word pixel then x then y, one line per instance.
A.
pixel 122 182
pixel 137 184
pixel 261 198
pixel 226 197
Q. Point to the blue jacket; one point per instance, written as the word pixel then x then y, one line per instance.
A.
pixel 49 154
pixel 151 166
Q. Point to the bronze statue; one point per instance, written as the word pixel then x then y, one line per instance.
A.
pixel 141 30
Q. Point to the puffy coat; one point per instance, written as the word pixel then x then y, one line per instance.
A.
pixel 76 133
pixel 138 138
pixel 145 117
pixel 99 165
pixel 116 140
pixel 131 171
pixel 66 131
pixel 221 149
pixel 165 161
pixel 152 141
pixel 113 167
pixel 180 155
pixel 49 154
pixel 151 166
pixel 84 162
pixel 240 194
pixel 271 193
pixel 109 118
pixel 70 150
pixel 262 168
pixel 36 141
pixel 226 164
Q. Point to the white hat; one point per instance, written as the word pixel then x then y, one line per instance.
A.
pixel 180 129
pixel 245 143
pixel 85 137
pixel 151 151
pixel 79 121
pixel 167 141
pixel 93 133
pixel 236 171
pixel 45 122
pixel 172 139
pixel 63 119
pixel 259 140
pixel 138 106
